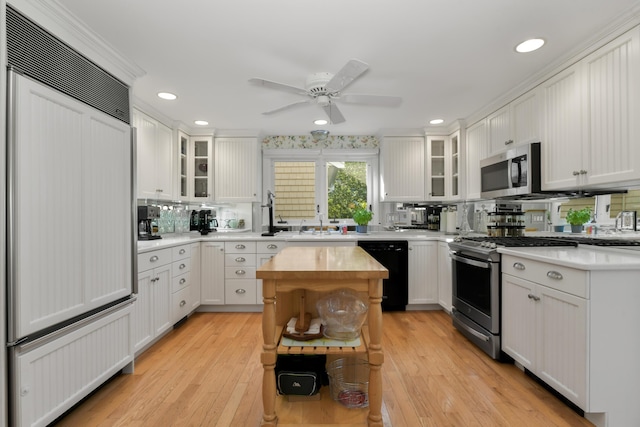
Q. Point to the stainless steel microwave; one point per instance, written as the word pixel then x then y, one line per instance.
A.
pixel 511 173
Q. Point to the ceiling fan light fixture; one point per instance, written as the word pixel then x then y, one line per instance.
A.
pixel 319 134
pixel 323 100
pixel 530 45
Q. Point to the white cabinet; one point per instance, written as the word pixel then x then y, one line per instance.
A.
pixel 237 170
pixel 183 166
pixel 402 171
pixel 240 273
pixel 423 272
pixel 155 158
pixel 443 161
pixel 212 270
pixel 444 276
pixel 516 123
pixel 590 113
pixel 544 323
pixel 195 275
pixel 476 149
pixel 180 283
pixel 152 308
pixel 266 251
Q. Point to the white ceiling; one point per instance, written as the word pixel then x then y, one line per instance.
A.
pixel 446 58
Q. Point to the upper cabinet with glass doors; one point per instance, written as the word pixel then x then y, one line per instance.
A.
pixel 194 167
pixel 443 160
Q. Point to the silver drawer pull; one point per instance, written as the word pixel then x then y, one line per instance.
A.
pixel 518 266
pixel 240 291
pixel 153 258
pixel 554 275
pixel 183 281
pixel 272 246
pixel 533 297
pixel 182 303
pixel 182 266
pixel 241 247
pixel 240 259
pixel 240 272
pixel 182 251
pixel 509 141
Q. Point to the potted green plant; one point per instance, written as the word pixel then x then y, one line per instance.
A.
pixel 577 218
pixel 362 217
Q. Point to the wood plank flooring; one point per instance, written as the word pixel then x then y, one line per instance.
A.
pixel 208 373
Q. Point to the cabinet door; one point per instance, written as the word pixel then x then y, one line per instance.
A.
pixel 183 168
pixel 212 268
pixel 476 149
pixel 612 94
pixel 499 129
pixel 155 158
pixel 525 118
pixel 437 167
pixel 200 160
pixel 166 158
pixel 562 343
pixel 453 162
pixel 161 299
pixel 402 177
pixel 237 170
pixel 562 148
pixel 141 315
pixel 423 272
pixel 519 320
pixel 444 276
pixel 195 276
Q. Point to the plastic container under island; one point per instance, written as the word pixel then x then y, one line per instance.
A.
pixel 349 381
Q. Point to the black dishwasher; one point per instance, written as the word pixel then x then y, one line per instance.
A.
pixel 393 254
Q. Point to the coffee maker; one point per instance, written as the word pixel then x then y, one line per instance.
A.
pixel 206 222
pixel 146 216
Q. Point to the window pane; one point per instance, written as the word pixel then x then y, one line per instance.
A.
pixel 295 189
pixel 346 188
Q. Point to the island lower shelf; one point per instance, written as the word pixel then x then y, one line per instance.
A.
pixel 308 347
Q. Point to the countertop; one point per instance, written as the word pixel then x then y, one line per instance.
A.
pixel 581 257
pixel 173 239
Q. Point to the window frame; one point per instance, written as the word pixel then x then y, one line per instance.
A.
pixel 321 158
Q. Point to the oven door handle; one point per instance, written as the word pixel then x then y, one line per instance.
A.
pixel 469 261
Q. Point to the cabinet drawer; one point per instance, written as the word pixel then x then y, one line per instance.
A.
pixel 149 260
pixel 240 292
pixel 240 272
pixel 234 260
pixel 180 304
pixel 565 279
pixel 180 282
pixel 270 247
pixel 240 247
pixel 180 267
pixel 181 252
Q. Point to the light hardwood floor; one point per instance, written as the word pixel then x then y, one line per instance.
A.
pixel 208 373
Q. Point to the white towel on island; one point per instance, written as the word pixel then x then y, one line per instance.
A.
pixel 314 327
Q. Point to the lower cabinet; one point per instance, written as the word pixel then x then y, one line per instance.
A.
pixel 212 273
pixel 180 283
pixel 423 272
pixel 266 251
pixel 194 276
pixel 151 315
pixel 444 276
pixel 544 328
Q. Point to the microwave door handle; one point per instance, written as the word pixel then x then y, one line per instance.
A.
pixel 516 173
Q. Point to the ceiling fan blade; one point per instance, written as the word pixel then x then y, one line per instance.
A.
pixel 288 106
pixel 382 100
pixel 335 116
pixel 351 71
pixel 277 86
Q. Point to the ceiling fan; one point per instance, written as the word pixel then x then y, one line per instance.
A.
pixel 325 89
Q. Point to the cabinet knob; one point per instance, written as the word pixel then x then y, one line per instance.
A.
pixel 518 266
pixel 583 172
pixel 534 297
pixel 158 190
pixel 182 266
pixel 182 251
pixel 272 246
pixel 183 281
pixel 240 259
pixel 576 173
pixel 240 272
pixel 240 247
pixel 508 141
pixel 182 303
pixel 554 275
pixel 153 258
pixel 240 291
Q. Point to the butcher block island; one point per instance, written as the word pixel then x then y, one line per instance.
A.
pixel 301 275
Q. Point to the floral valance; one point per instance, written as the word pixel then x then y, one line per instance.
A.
pixel 308 142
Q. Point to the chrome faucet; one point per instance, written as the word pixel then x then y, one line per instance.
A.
pixel 300 229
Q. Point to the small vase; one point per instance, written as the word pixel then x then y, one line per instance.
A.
pixel 361 228
pixel 576 228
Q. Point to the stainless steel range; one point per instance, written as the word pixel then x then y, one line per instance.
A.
pixel 476 285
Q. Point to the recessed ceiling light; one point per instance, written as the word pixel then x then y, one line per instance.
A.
pixel 436 121
pixel 320 122
pixel 166 95
pixel 529 45
pixel 201 122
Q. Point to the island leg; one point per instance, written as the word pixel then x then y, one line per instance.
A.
pixel 269 353
pixel 376 356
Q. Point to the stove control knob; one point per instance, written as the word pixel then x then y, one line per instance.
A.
pixel 492 246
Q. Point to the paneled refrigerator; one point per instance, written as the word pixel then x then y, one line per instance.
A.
pixel 70 235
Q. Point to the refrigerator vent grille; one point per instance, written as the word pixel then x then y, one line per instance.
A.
pixel 36 53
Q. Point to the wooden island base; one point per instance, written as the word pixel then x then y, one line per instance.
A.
pixel 320 270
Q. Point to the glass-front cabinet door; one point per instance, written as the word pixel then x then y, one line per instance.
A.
pixel 200 185
pixel 183 172
pixel 437 164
